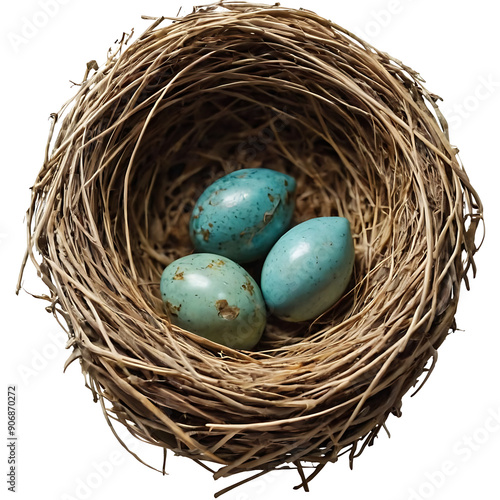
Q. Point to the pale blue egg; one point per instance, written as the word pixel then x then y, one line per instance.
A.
pixel 214 297
pixel 308 269
pixel 242 214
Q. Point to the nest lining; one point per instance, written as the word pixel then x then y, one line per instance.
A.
pixel 237 85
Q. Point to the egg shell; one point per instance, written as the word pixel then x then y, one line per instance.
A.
pixel 308 269
pixel 214 297
pixel 242 214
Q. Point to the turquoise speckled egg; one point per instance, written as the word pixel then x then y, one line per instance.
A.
pixel 214 297
pixel 308 269
pixel 242 214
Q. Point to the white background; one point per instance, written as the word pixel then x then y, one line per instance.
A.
pixel 446 445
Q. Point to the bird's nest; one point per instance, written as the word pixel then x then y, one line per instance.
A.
pixel 230 86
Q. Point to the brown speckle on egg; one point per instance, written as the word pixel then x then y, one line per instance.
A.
pixel 225 310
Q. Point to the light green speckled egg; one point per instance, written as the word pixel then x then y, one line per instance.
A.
pixel 216 298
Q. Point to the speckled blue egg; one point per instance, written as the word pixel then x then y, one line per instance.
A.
pixel 308 269
pixel 214 297
pixel 242 214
